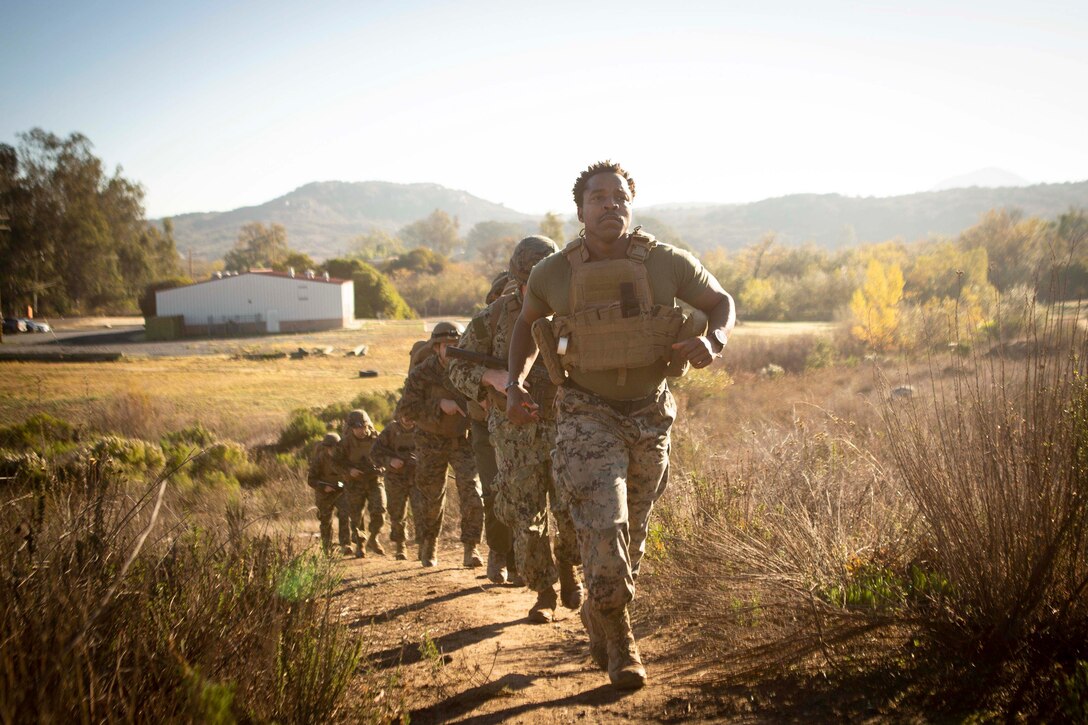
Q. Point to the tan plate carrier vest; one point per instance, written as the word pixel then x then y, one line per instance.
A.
pixel 614 324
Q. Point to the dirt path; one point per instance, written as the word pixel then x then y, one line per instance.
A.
pixel 467 654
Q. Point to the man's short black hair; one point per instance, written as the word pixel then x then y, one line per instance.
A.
pixel 605 166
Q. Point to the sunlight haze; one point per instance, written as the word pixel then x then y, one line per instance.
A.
pixel 213 107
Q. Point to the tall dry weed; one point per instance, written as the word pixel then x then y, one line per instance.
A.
pixel 996 460
pixel 109 611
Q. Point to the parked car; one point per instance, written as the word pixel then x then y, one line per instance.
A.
pixel 13 324
pixel 35 325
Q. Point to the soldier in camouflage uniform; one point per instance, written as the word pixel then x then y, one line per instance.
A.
pixel 616 333
pixel 363 487
pixel 323 477
pixel 438 411
pixel 523 453
pixel 395 453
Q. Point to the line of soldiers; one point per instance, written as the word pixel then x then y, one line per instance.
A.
pixel 562 382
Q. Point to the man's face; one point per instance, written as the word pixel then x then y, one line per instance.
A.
pixel 359 431
pixel 440 349
pixel 606 206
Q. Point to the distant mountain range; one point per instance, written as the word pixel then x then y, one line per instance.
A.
pixel 321 218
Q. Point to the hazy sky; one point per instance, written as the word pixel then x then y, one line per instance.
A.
pixel 215 105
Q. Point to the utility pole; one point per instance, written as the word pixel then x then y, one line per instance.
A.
pixel 190 262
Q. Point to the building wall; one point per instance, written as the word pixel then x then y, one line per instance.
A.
pixel 247 302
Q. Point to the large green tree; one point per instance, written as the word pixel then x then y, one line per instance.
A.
pixel 78 241
pixel 438 231
pixel 258 246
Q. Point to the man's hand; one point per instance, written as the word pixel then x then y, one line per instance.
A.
pixel 329 489
pixel 696 350
pixel 496 379
pixel 396 463
pixel 356 473
pixel 450 407
pixel 520 408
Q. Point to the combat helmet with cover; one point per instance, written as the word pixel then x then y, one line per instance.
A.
pixel 442 332
pixel 527 253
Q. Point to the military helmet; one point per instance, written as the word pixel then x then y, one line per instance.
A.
pixel 359 419
pixel 527 253
pixel 446 331
pixel 331 439
pixel 497 286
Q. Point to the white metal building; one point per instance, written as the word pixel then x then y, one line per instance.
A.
pixel 260 301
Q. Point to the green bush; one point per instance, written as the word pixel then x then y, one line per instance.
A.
pixel 20 467
pixel 41 432
pixel 302 428
pixel 128 456
pixel 376 297
pixel 378 404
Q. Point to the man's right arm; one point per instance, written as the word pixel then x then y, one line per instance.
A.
pixel 520 407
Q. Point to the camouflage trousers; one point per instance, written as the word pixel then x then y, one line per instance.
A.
pixel 525 487
pixel 326 502
pixel 400 488
pixel 434 454
pixel 358 492
pixel 610 469
pixel 496 532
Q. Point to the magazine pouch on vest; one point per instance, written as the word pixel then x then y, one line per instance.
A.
pixel 614 324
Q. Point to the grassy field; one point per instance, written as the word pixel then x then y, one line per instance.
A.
pixel 237 398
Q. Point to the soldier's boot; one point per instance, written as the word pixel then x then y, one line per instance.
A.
pixel 543 610
pixel 496 566
pixel 346 550
pixel 625 668
pixel 402 551
pixel 472 556
pixel 373 545
pixel 427 553
pixel 570 589
pixel 598 648
pixel 359 553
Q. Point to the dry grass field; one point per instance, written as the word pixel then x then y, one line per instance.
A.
pixel 211 381
pixel 826 549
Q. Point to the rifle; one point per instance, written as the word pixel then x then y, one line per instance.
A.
pixel 338 486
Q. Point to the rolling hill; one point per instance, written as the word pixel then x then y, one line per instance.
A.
pixel 322 217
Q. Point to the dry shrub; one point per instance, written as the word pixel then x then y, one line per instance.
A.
pixel 134 413
pixel 97 624
pixel 783 527
pixel 997 464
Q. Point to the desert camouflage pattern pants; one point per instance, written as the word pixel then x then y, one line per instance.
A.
pixel 400 488
pixel 525 487
pixel 496 531
pixel 358 492
pixel 325 503
pixel 610 469
pixel 434 455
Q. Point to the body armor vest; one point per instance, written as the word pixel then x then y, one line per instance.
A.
pixel 447 426
pixel 613 323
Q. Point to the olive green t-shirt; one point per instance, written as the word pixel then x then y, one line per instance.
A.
pixel 674 274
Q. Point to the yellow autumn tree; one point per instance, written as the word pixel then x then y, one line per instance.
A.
pixel 875 305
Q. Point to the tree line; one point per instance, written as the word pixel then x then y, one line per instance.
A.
pixel 77 239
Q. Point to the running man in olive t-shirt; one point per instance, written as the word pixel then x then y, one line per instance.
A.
pixel 613 295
